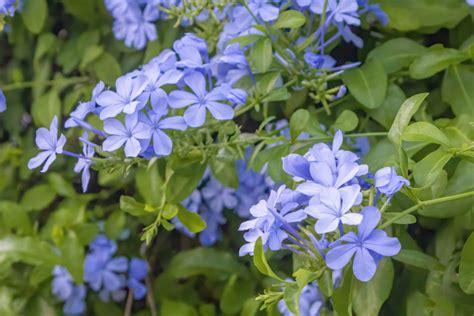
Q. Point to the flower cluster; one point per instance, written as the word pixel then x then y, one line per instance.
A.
pixel 134 21
pixel 329 200
pixel 139 114
pixel 104 273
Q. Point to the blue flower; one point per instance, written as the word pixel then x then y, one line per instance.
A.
pixel 344 11
pixel 192 52
pixel 253 187
pixel 375 9
pixel 7 7
pixel 153 90
pixel 103 272
pixel 213 232
pixel 83 164
pixel 136 274
pixel 264 10
pixel 62 285
pixel 230 65
pixel 166 60
pixel 333 207
pixel 75 304
pixel 319 62
pixel 310 302
pixel 125 99
pixel 369 246
pixel 133 23
pixel 349 36
pixel 162 144
pixel 47 140
pixel 85 108
pixel 64 289
pixel 191 40
pixel 102 244
pixel 324 167
pixel 388 182
pixel 3 102
pixel 200 101
pixel 217 196
pixel 272 218
pixel 130 135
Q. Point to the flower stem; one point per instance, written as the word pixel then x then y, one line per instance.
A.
pixel 427 203
pixel 30 84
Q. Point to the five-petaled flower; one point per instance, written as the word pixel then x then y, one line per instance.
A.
pixel 130 135
pixel 162 144
pixel 200 101
pixel 47 140
pixel 369 246
pixel 333 208
pixel 126 99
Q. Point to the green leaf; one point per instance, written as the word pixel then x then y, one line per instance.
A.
pixel 187 173
pixel 371 295
pixel 435 60
pixel 460 182
pixel 235 294
pixel 457 89
pixel 175 308
pixel 424 132
pixel 46 107
pixel 106 68
pixel 72 256
pixel 246 39
pixel 325 283
pixel 368 83
pixel 428 168
pixel 424 15
pixel 397 53
pixel 34 14
pixel 466 266
pixel 131 206
pixel 405 220
pixel 291 295
pixel 385 114
pixel 298 123
pixel 170 211
pixel 192 221
pixel 84 10
pixel 418 259
pixel 38 197
pixel 290 19
pixel 115 224
pixel 211 262
pixel 342 296
pixel 347 121
pixel 150 183
pixel 60 185
pixel 261 262
pixel 27 250
pixel 261 55
pixel 225 170
pixel 404 115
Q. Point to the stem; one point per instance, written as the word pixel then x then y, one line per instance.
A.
pixel 322 25
pixel 427 203
pixel 355 135
pixel 30 84
pixel 129 304
pixel 150 298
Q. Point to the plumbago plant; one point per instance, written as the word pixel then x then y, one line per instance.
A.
pixel 307 157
